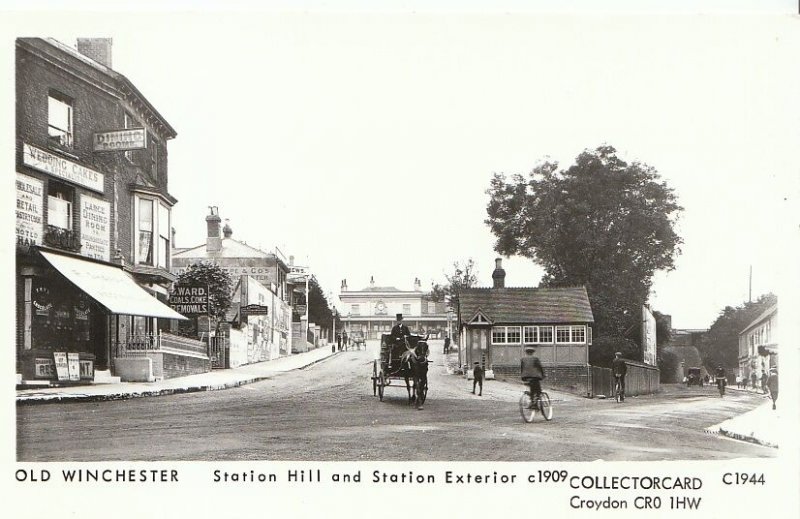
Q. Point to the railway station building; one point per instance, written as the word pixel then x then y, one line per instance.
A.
pixel 372 310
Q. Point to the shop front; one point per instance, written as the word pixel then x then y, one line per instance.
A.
pixel 74 315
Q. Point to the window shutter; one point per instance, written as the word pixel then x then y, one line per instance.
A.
pixel 588 335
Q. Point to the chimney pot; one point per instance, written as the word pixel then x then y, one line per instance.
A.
pixel 213 238
pixel 499 275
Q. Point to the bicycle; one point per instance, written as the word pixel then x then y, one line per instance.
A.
pixel 528 409
pixel 721 386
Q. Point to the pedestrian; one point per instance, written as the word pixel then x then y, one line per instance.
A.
pixel 345 340
pixel 477 378
pixel 772 384
pixel 764 378
pixel 446 344
pixel 619 369
pixel 339 341
pixel 753 378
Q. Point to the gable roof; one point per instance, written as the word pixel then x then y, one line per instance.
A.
pixel 527 305
pixel 761 318
pixel 230 249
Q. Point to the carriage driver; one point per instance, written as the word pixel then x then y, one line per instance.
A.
pixel 400 330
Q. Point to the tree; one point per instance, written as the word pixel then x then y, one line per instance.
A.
pixel 319 309
pixel 220 285
pixel 463 276
pixel 720 346
pixel 601 223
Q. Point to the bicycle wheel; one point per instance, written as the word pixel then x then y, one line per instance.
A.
pixel 545 407
pixel 525 408
pixel 618 392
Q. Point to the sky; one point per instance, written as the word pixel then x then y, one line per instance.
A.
pixel 363 143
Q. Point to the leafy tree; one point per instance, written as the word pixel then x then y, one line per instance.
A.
pixel 720 346
pixel 463 276
pixel 319 309
pixel 601 222
pixel 220 285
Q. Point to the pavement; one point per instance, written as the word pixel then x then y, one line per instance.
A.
pixel 761 425
pixel 213 380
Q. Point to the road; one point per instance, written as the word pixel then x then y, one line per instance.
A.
pixel 328 412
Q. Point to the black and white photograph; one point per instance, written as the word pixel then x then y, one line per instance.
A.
pixel 499 252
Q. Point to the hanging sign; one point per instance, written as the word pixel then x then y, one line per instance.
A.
pixel 255 310
pixel 121 140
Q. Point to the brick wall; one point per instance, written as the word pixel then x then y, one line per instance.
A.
pixel 180 365
pixel 574 379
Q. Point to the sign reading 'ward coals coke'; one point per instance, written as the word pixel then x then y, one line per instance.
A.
pixel 189 300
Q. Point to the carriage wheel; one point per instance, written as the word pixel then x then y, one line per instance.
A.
pixel 374 377
pixel 381 383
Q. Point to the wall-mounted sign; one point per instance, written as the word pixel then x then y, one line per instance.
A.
pixel 189 300
pixel 95 228
pixel 44 368
pixel 254 310
pixel 62 168
pixel 121 140
pixel 87 370
pixel 30 210
pixel 62 366
pixel 300 309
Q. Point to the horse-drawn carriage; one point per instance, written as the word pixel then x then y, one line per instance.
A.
pixel 403 359
pixel 357 340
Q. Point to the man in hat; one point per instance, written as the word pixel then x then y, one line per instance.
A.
pixel 772 385
pixel 619 369
pixel 477 378
pixel 532 372
pixel 400 330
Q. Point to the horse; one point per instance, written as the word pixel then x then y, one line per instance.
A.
pixel 414 362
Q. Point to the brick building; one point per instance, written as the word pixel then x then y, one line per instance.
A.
pixel 92 220
pixel 495 324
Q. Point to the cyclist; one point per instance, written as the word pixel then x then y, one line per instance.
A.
pixel 719 375
pixel 532 373
pixel 619 369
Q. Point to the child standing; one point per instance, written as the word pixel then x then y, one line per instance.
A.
pixel 477 378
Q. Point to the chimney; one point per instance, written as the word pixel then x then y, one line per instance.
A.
pixel 344 285
pixel 98 49
pixel 499 275
pixel 291 261
pixel 371 281
pixel 417 285
pixel 213 240
pixel 227 231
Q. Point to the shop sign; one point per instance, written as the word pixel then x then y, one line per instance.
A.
pixel 300 309
pixel 62 366
pixel 74 366
pixel 121 140
pixel 255 310
pixel 95 228
pixel 30 210
pixel 44 367
pixel 189 300
pixel 41 300
pixel 60 167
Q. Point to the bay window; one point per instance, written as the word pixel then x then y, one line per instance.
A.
pixel 151 232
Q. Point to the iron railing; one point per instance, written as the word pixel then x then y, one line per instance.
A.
pixel 61 238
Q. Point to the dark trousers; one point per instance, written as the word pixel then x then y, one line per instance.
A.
pixel 477 381
pixel 535 387
pixel 621 379
pixel 774 395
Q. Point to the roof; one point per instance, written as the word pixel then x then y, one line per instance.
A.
pixel 380 289
pixel 766 313
pixel 527 305
pixel 230 249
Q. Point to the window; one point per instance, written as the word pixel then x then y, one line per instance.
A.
pixel 355 309
pixel 59 119
pixel 562 334
pixel 506 334
pixel 545 334
pixel 407 309
pixel 570 334
pixel 145 251
pixel 431 308
pixel 163 236
pixel 499 335
pixel 152 232
pixel 530 334
pixel 154 158
pixel 578 334
pixel 59 206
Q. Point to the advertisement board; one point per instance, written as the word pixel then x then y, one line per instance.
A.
pixel 95 228
pixel 30 210
pixel 189 300
pixel 121 140
pixel 648 336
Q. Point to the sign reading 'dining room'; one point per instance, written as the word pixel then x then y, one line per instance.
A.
pixel 95 229
pixel 60 167
pixel 30 210
pixel 121 140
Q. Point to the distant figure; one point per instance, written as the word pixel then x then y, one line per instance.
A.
pixel 446 344
pixel 738 382
pixel 619 369
pixel 477 378
pixel 753 379
pixel 772 385
pixel 339 341
pixel 764 378
pixel 706 379
pixel 345 340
